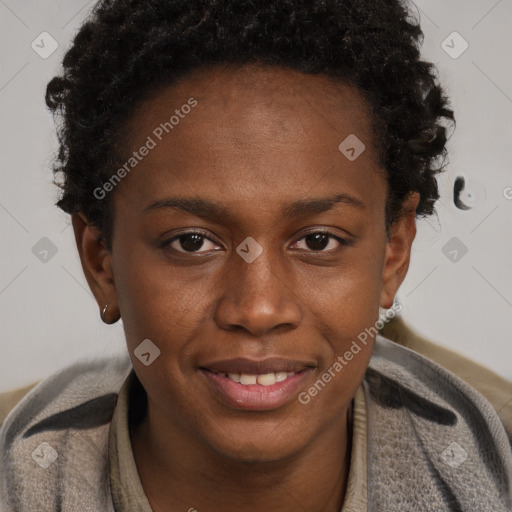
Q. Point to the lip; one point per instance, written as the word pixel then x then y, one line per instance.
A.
pixel 252 366
pixel 255 397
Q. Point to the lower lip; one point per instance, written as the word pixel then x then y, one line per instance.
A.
pixel 255 397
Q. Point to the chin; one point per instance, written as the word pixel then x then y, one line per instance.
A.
pixel 265 447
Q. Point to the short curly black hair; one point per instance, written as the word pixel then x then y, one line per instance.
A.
pixel 129 48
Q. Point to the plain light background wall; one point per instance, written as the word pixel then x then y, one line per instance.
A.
pixel 458 291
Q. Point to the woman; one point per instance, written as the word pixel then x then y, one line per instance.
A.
pixel 243 180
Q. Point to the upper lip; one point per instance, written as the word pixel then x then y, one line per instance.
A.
pixel 251 366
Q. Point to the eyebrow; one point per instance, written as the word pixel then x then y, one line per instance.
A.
pixel 213 210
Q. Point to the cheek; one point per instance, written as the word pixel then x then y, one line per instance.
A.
pixel 154 296
pixel 165 312
pixel 349 328
pixel 348 297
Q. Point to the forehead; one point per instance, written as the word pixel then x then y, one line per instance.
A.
pixel 250 100
pixel 256 131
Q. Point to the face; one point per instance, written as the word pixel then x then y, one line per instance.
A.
pixel 244 232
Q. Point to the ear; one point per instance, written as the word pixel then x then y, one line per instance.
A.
pixel 398 251
pixel 96 263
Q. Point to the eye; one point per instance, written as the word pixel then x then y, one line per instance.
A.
pixel 193 241
pixel 318 241
pixel 189 242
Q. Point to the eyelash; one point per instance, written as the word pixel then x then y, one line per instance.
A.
pixel 342 241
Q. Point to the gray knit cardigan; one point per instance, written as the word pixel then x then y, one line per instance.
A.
pixel 434 442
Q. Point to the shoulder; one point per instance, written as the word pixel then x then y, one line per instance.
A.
pixel 432 432
pixel 73 394
pixel 62 422
pixel 496 390
pixel 9 399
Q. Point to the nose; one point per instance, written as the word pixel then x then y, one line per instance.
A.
pixel 258 297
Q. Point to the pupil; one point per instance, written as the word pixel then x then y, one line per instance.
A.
pixel 318 241
pixel 195 245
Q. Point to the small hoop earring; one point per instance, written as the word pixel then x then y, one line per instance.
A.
pixel 103 311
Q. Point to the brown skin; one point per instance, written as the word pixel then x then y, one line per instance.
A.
pixel 258 139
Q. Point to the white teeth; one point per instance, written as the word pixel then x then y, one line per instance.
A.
pixel 267 379
pixel 246 379
pixel 264 379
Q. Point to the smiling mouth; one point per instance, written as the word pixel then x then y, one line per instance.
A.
pixel 261 379
pixel 256 392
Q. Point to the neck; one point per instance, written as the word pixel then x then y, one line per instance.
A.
pixel 178 472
